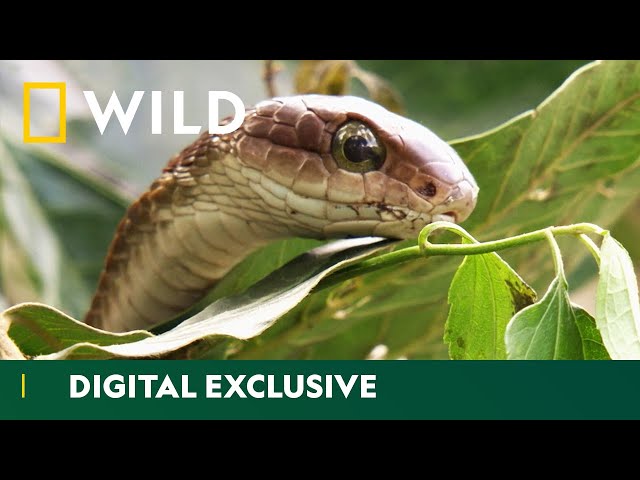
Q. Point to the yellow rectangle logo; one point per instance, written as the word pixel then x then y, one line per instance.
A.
pixel 62 134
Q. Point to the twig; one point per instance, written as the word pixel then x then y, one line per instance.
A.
pixel 269 72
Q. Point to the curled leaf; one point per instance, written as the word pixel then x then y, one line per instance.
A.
pixel 617 306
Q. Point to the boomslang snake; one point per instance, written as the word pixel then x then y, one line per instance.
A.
pixel 308 166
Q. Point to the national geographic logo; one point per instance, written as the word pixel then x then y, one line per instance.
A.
pixel 125 117
pixel 26 109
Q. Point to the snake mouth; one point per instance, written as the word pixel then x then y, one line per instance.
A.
pixel 445 217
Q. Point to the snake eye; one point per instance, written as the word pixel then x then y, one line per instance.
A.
pixel 356 148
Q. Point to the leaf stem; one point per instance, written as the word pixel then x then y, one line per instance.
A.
pixel 429 248
pixel 591 246
pixel 426 249
pixel 557 256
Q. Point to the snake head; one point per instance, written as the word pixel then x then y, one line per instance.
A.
pixel 345 166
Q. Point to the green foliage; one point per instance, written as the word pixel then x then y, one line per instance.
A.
pixel 334 77
pixel 575 158
pixel 457 99
pixel 55 226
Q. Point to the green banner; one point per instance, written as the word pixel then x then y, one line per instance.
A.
pixel 319 390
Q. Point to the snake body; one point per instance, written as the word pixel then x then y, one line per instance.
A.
pixel 308 166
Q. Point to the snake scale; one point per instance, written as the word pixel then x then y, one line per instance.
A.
pixel 310 166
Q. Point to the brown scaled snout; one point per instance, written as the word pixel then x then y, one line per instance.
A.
pixel 440 176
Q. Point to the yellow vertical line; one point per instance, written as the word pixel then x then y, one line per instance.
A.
pixel 23 385
pixel 63 113
pixel 26 112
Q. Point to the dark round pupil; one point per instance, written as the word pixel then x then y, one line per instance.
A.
pixel 357 149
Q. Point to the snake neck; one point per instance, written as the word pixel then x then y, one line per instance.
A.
pixel 205 214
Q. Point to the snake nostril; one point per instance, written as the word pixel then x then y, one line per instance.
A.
pixel 428 190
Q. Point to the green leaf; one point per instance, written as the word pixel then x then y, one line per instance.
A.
pixel 241 316
pixel 484 294
pixel 617 305
pixel 627 230
pixel 592 345
pixel 8 349
pixel 38 329
pixel 584 138
pixel 553 329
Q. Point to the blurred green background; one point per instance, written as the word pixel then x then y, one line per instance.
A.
pixel 459 98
